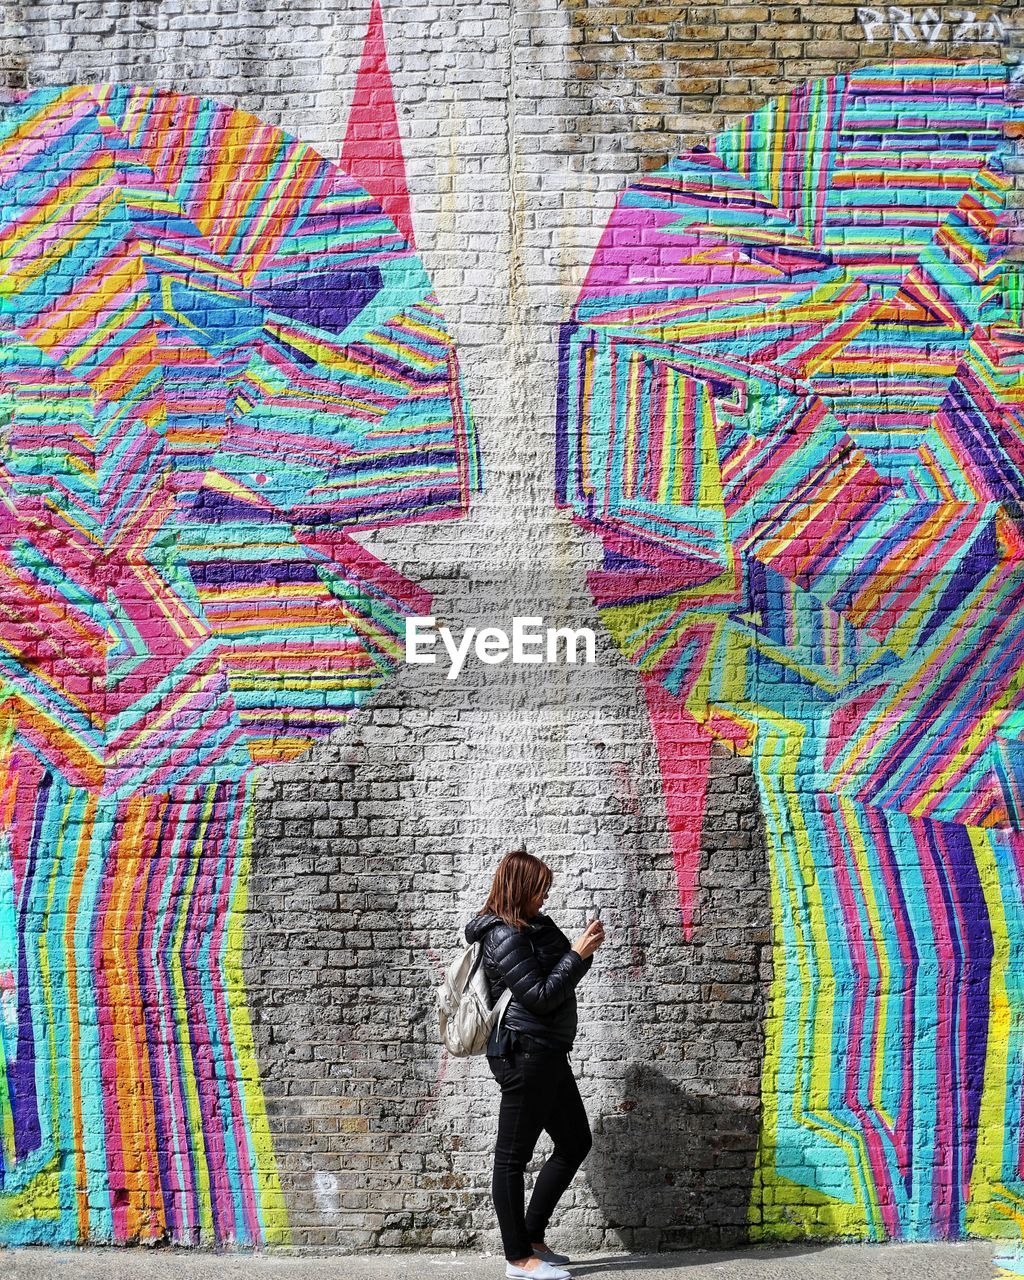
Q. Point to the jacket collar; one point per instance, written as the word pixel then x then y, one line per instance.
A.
pixel 479 925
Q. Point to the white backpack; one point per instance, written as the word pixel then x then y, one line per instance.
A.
pixel 463 1003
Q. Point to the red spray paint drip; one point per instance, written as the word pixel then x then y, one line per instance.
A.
pixel 372 150
pixel 684 756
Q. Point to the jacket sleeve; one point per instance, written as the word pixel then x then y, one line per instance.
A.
pixel 516 961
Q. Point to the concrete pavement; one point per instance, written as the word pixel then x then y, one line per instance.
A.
pixel 972 1261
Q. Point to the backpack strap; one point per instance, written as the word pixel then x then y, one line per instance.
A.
pixel 479 944
pixel 504 1000
pixel 502 1003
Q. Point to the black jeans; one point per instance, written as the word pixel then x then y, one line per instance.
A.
pixel 538 1092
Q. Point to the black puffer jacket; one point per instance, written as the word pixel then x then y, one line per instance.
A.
pixel 541 968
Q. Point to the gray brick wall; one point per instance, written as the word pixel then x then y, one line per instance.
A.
pixel 366 866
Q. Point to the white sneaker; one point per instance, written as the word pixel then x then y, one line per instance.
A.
pixel 542 1271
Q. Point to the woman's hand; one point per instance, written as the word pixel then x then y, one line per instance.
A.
pixel 589 940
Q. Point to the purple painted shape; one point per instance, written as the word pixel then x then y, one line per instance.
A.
pixel 329 301
pixel 22 1076
pixel 966 911
pixel 214 506
pixel 995 452
pixel 981 558
pixel 211 573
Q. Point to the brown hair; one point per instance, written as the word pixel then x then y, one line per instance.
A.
pixel 518 879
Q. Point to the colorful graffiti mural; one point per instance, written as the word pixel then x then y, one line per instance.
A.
pixel 791 407
pixel 218 359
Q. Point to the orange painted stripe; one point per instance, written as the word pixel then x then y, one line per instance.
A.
pixel 74 898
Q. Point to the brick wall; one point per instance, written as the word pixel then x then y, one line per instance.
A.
pixel 520 126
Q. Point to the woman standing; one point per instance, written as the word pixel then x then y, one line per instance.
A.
pixel 528 1054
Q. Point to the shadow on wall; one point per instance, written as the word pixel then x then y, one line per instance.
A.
pixel 699 1195
pixel 673 1163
